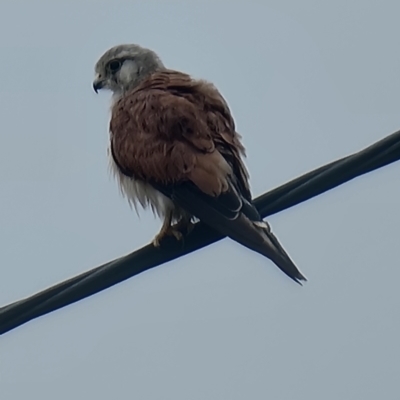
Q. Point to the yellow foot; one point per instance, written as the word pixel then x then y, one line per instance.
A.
pixel 170 231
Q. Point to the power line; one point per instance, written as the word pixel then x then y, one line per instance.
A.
pixel 294 192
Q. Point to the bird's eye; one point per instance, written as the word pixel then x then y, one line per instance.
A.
pixel 114 66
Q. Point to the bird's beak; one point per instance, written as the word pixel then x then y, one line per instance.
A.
pixel 98 83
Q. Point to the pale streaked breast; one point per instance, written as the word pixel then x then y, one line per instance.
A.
pixel 140 193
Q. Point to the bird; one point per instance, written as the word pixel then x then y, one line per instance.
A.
pixel 174 148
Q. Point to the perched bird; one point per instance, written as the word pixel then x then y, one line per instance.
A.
pixel 174 147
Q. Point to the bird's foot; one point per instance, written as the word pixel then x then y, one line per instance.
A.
pixel 184 226
pixel 167 231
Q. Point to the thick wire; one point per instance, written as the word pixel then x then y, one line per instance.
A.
pixel 311 184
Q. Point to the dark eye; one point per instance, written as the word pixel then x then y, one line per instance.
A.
pixel 114 66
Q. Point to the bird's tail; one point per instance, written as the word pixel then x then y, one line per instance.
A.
pixel 275 252
pixel 257 236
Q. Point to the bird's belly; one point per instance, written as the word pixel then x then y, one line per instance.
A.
pixel 141 193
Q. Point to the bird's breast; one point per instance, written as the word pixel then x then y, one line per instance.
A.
pixel 140 193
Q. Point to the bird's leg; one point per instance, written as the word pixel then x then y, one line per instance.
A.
pixel 167 230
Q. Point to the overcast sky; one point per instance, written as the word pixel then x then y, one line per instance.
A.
pixel 308 82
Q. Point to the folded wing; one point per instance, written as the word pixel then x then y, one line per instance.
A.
pixel 178 135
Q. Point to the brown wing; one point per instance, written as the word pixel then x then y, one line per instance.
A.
pixel 178 135
pixel 172 129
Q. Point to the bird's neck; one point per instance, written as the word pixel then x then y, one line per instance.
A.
pixel 118 93
pixel 116 96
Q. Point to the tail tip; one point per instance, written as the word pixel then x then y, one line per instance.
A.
pixel 299 278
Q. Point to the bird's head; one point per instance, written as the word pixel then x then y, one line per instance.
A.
pixel 122 67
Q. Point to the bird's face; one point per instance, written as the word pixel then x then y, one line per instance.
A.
pixel 122 67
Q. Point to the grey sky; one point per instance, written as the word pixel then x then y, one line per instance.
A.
pixel 308 82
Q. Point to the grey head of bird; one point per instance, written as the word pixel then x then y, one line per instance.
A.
pixel 123 67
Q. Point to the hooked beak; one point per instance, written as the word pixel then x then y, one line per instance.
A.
pixel 98 84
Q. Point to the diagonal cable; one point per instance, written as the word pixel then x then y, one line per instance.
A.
pixel 294 192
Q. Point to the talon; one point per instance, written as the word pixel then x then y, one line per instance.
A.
pixel 183 225
pixel 170 231
pixel 156 241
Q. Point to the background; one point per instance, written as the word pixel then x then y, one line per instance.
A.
pixel 308 82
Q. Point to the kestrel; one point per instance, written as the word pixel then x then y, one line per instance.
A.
pixel 174 147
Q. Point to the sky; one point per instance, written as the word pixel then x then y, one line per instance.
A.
pixel 308 82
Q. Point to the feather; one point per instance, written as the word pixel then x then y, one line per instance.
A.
pixel 177 135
